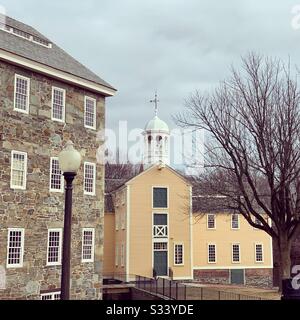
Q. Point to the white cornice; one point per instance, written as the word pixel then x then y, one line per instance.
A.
pixel 55 73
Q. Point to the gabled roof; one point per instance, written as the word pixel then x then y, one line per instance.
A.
pixel 52 56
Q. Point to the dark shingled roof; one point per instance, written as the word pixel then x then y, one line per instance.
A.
pixel 53 57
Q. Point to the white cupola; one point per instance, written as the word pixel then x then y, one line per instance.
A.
pixel 156 140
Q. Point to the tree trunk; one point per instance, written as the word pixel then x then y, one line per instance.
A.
pixel 284 247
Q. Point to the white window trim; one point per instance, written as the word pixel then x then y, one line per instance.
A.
pixel 117 221
pixel 61 181
pixel 52 293
pixel 64 104
pixel 94 179
pixel 17 265
pixel 168 198
pixel 211 262
pixel 236 244
pixel 58 263
pixel 238 219
pixel 262 252
pixel 93 245
pixel 174 254
pixel 25 170
pixel 95 112
pixel 26 111
pixel 215 221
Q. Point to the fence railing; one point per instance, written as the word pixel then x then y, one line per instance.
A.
pixel 175 290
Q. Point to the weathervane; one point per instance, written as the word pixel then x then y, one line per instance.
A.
pixel 155 100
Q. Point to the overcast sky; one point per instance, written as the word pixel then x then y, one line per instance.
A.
pixel 174 46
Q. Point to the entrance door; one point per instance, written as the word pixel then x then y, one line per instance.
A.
pixel 161 263
pixel 237 276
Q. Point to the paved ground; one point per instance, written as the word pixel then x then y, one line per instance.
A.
pixel 229 292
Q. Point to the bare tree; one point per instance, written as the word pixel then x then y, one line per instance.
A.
pixel 252 151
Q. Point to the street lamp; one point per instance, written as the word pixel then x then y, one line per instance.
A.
pixel 69 162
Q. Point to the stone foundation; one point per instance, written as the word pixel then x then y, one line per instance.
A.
pixel 253 277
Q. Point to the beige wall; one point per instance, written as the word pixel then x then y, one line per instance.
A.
pixel 109 244
pixel 223 236
pixel 141 212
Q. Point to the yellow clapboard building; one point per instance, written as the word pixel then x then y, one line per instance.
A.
pixel 154 226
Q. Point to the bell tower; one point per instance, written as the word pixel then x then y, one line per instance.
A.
pixel 156 140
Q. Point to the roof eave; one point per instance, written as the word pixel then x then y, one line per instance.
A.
pixel 55 73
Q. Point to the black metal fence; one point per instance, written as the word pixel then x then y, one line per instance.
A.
pixel 175 290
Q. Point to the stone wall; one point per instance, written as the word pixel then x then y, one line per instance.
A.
pixel 36 209
pixel 221 276
pixel 256 277
pixel 259 278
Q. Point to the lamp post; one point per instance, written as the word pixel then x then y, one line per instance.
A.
pixel 69 162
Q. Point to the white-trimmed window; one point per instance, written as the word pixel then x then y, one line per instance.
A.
pixel 235 221
pixel 89 178
pixel 18 170
pixel 54 247
pixel 55 295
pixel 117 255
pixel 15 248
pixel 178 254
pixel 58 104
pixel 236 253
pixel 122 254
pixel 211 221
pixel 21 96
pixel 259 252
pixel 211 253
pixel 160 197
pixel 88 242
pixel 56 177
pixel 89 112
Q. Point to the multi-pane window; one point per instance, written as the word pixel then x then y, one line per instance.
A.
pixel 54 247
pixel 89 178
pixel 235 221
pixel 90 113
pixel 259 255
pixel 88 245
pixel 211 221
pixel 56 177
pixel 160 197
pixel 58 104
pixel 51 296
pixel 122 254
pixel 15 248
pixel 178 254
pixel 18 170
pixel 21 102
pixel 212 255
pixel 160 246
pixel 236 253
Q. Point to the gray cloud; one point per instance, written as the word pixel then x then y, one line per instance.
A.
pixel 173 46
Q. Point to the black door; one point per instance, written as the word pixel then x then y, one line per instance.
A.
pixel 237 276
pixel 161 263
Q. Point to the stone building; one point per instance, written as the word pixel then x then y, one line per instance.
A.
pixel 47 98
